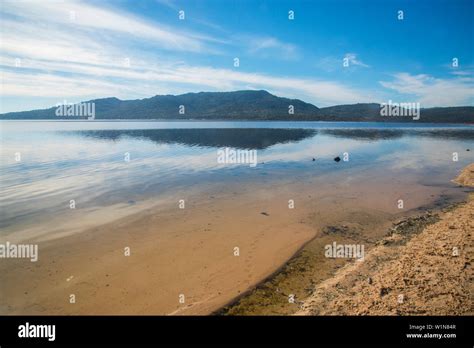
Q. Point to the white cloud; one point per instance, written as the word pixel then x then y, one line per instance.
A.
pixel 431 91
pixel 85 58
pixel 333 63
pixel 267 46
pixel 78 16
pixel 462 72
pixel 352 59
pixel 144 80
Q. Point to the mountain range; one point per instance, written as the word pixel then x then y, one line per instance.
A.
pixel 243 105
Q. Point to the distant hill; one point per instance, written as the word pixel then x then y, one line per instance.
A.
pixel 371 112
pixel 242 105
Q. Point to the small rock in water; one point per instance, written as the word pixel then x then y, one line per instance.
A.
pixel 131 202
pixel 265 213
pixel 337 159
pixel 468 150
pixel 314 159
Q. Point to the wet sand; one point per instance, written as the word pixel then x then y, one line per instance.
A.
pixel 190 251
pixel 422 265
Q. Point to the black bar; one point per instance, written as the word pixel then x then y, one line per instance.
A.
pixel 132 330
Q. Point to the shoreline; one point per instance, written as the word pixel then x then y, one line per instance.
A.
pixel 271 283
pixel 190 251
pixel 172 252
pixel 425 273
pixel 177 120
pixel 408 227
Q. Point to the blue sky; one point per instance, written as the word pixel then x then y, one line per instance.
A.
pixel 53 51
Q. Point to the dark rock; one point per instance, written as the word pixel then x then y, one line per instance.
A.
pixel 335 229
pixel 265 213
pixel 337 159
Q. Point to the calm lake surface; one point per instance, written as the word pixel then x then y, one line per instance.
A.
pixel 86 161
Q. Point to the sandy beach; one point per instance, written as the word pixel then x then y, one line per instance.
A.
pixel 429 273
pixel 185 261
pixel 421 265
pixel 173 252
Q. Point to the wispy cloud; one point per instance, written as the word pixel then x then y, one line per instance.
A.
pixel 352 60
pixel 270 46
pixel 175 7
pixel 333 63
pixel 431 91
pixel 81 49
pixel 76 17
pixel 168 3
pixel 462 73
pixel 85 58
pixel 143 76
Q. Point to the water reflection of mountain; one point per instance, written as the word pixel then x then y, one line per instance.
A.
pixel 244 138
pixel 387 134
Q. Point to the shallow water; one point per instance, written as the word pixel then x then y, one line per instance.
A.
pixel 86 161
